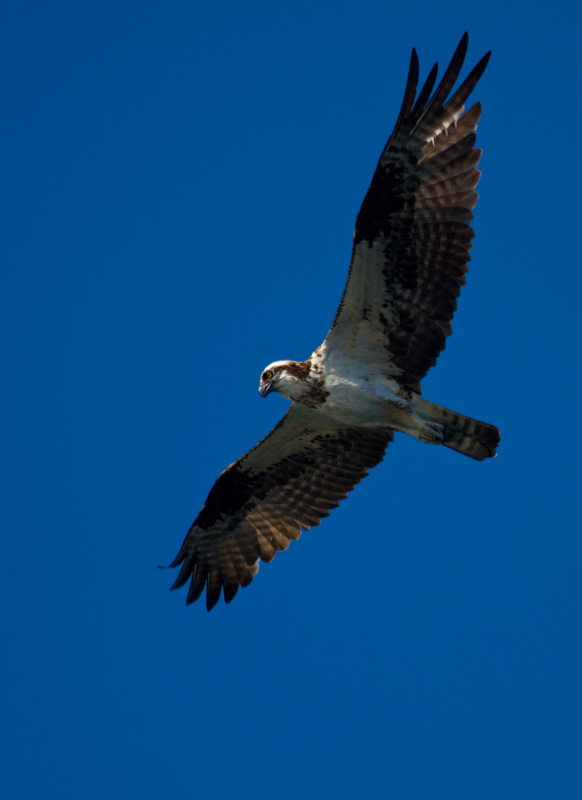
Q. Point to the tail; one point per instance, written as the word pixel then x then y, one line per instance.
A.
pixel 468 436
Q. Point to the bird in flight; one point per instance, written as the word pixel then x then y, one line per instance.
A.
pixel 409 259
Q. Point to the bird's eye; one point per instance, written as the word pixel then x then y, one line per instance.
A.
pixel 268 374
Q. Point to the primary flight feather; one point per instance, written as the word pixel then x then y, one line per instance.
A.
pixel 410 255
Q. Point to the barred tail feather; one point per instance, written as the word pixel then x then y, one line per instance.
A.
pixel 468 436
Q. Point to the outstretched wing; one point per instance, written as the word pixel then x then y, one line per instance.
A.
pixel 413 234
pixel 284 485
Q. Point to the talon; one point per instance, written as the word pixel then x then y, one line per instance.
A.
pixel 432 433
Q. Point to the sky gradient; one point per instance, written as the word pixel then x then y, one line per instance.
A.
pixel 181 185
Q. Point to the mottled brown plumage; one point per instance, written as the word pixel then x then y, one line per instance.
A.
pixel 284 485
pixel 413 234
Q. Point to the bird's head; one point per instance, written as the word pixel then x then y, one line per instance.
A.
pixel 286 377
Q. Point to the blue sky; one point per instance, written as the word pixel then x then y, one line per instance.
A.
pixel 181 183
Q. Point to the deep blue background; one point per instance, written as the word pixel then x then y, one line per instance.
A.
pixel 180 184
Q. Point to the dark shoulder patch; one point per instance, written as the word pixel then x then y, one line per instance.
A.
pixel 229 494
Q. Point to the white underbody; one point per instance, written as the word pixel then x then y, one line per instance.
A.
pixel 361 394
pixel 376 401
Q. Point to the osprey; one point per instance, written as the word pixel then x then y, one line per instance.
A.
pixel 410 255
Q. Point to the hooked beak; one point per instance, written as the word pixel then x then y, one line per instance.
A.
pixel 265 388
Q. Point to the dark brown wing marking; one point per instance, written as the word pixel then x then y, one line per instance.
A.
pixel 286 484
pixel 413 234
